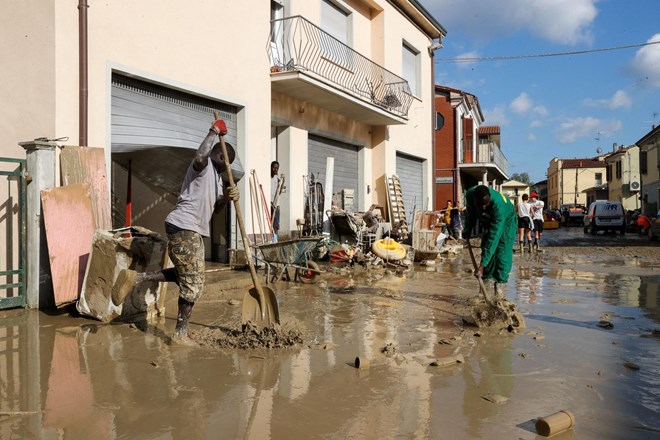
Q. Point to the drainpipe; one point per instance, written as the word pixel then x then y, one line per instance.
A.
pixel 432 48
pixel 82 72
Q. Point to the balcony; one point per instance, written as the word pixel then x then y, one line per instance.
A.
pixel 311 65
pixel 489 158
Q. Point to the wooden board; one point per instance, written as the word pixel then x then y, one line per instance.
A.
pixel 87 165
pixel 69 225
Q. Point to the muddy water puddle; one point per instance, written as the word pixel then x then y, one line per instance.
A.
pixel 69 378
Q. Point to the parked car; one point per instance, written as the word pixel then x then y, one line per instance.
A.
pixel 572 214
pixel 605 215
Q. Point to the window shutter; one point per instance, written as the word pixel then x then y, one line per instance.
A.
pixel 334 21
pixel 409 72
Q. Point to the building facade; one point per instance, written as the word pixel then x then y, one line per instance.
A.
pixel 297 81
pixel 623 178
pixel 649 167
pixel 568 178
pixel 466 153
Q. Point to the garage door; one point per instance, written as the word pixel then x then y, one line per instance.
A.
pixel 160 128
pixel 410 171
pixel 345 167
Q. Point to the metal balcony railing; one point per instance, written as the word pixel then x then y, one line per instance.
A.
pixel 487 152
pixel 296 44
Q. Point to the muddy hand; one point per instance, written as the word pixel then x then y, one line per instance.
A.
pixel 233 193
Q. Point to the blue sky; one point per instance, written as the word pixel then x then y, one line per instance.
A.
pixel 565 106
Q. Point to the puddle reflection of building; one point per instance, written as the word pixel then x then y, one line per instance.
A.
pixel 361 324
pixel 20 373
pixel 489 370
pixel 649 291
pixel 529 284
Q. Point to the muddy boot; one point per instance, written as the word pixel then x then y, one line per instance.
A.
pixel 536 245
pixel 499 291
pixel 180 335
pixel 529 247
pixel 124 285
pixel 521 246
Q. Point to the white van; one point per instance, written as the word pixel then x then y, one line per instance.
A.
pixel 605 215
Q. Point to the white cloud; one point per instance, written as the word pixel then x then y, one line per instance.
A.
pixel 536 124
pixel 540 110
pixel 620 99
pixel 521 104
pixel 577 128
pixel 559 21
pixel 531 137
pixel 496 116
pixel 647 62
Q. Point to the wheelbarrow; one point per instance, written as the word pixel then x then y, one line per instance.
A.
pixel 295 254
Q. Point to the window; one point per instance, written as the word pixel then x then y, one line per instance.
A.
pixel 335 42
pixel 599 179
pixel 334 21
pixel 608 172
pixel 643 162
pixel 277 56
pixel 439 121
pixel 618 169
pixel 411 68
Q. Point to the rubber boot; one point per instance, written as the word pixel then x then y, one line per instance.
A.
pixel 180 336
pixel 529 246
pixel 521 246
pixel 499 291
pixel 124 285
pixel 536 244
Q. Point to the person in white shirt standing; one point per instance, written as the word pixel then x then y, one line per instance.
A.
pixel 525 214
pixel 538 206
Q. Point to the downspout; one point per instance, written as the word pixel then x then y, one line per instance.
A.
pixel 432 49
pixel 82 72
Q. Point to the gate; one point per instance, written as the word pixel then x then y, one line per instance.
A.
pixel 13 232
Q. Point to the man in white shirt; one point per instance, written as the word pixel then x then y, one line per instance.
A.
pixel 525 213
pixel 538 206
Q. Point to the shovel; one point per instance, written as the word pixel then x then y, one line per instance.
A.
pixel 482 287
pixel 259 303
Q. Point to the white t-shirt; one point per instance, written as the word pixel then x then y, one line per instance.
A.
pixel 538 206
pixel 525 210
pixel 199 193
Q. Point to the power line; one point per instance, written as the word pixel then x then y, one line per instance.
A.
pixel 544 55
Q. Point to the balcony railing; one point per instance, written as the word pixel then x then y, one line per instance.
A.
pixel 487 152
pixel 298 45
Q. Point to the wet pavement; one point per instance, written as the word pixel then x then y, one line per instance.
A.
pixel 66 377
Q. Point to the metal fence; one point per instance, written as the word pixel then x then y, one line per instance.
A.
pixel 296 44
pixel 12 222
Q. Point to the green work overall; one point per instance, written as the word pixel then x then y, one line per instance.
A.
pixel 499 222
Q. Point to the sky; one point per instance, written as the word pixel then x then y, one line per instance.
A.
pixel 554 106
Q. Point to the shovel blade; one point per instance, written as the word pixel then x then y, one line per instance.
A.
pixel 260 313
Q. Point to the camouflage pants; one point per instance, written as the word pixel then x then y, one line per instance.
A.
pixel 186 250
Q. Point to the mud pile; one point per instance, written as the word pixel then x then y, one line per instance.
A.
pixel 249 337
pixel 501 314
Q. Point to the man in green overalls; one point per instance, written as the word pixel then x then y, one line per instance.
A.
pixel 499 221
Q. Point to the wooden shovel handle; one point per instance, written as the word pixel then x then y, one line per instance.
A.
pixel 241 225
pixel 481 281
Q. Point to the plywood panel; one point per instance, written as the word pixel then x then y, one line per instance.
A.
pixel 69 223
pixel 87 165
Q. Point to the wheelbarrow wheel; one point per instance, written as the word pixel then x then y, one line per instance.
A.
pixel 306 275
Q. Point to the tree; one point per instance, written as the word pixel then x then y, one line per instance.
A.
pixel 521 177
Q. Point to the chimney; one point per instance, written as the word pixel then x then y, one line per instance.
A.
pixel 614 146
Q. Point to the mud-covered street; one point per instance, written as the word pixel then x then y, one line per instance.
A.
pixel 591 346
